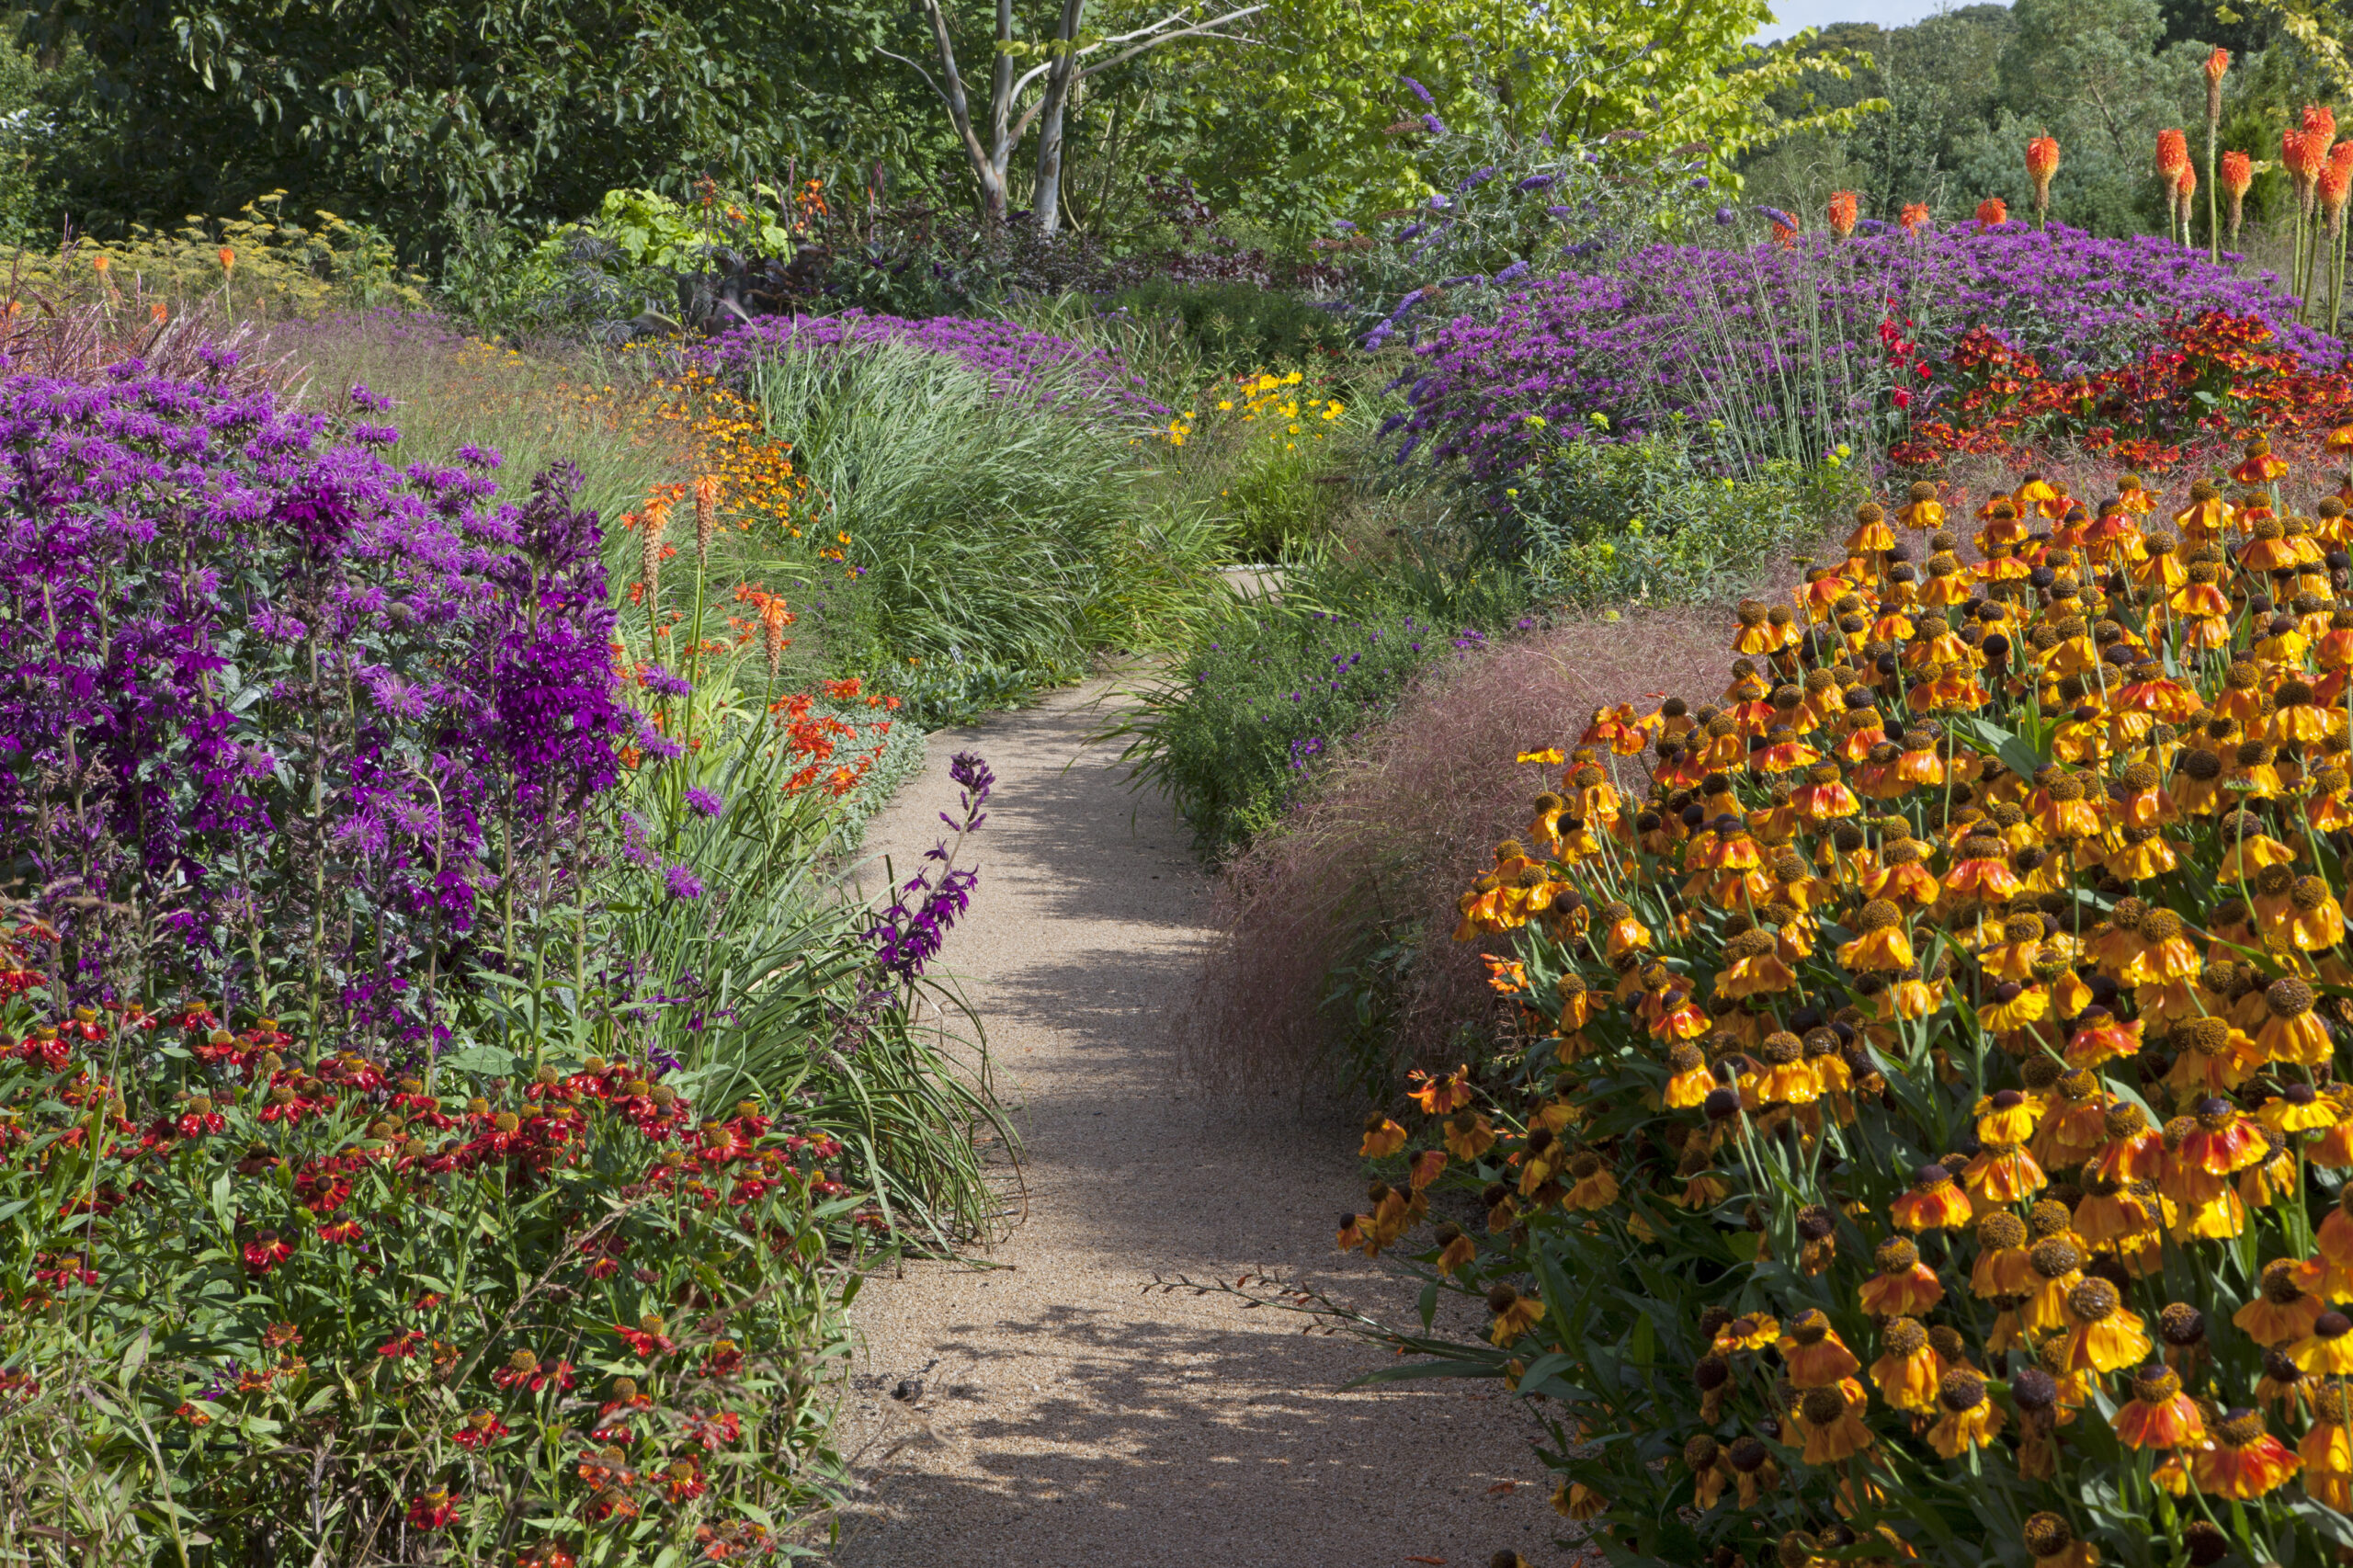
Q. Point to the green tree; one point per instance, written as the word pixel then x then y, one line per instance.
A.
pixel 1319 120
pixel 421 116
pixel 2097 75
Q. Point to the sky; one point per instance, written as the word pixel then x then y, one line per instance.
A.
pixel 1791 14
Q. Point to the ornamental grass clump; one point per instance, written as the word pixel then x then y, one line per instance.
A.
pixel 1918 1134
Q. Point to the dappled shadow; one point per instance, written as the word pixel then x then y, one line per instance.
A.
pixel 1150 1440
pixel 1069 1414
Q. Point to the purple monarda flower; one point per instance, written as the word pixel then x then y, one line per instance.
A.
pixel 706 802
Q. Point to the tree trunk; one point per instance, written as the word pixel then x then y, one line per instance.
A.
pixel 987 172
pixel 1048 201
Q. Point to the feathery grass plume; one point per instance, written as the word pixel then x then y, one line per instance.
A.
pixel 1333 961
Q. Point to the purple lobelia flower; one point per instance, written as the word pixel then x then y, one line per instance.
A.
pixel 910 933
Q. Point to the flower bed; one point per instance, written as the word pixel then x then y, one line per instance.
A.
pixel 1785 342
pixel 1921 1139
pixel 297 1305
pixel 1018 361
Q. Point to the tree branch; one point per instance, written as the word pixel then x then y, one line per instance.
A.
pixel 1206 30
pixel 919 71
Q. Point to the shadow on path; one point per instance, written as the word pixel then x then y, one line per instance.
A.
pixel 1071 1414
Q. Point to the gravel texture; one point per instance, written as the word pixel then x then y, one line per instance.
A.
pixel 1066 1415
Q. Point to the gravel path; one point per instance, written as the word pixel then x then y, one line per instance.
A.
pixel 1066 1417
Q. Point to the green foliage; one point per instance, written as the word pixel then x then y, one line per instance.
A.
pixel 625 259
pixel 1242 327
pixel 423 119
pixel 1272 687
pixel 1595 520
pixel 648 229
pixel 1305 127
pixel 984 532
pixel 33 123
pixel 1941 80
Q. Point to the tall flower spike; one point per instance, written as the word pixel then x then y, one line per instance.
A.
pixel 2238 174
pixel 706 514
pixel 1992 213
pixel 2173 161
pixel 1843 211
pixel 2216 65
pixel 2041 163
pixel 649 559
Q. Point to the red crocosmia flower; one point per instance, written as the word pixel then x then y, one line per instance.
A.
pixel 265 1252
pixel 435 1510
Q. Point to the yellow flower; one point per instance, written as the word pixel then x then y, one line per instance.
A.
pixel 1514 1313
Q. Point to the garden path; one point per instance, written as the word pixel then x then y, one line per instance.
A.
pixel 1066 1417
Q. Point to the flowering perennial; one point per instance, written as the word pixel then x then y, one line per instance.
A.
pixel 1920 1137
pixel 271 691
pixel 1682 328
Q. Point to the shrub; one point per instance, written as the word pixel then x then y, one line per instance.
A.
pixel 1595 520
pixel 1272 687
pixel 1266 695
pixel 1241 326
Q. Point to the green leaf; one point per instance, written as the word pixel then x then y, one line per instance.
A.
pixel 483 1060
